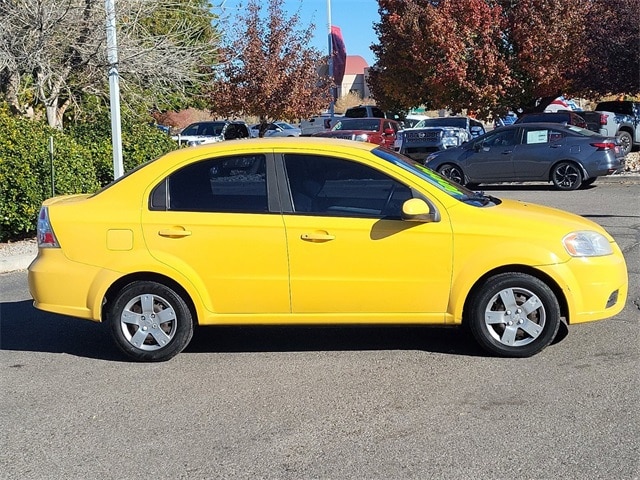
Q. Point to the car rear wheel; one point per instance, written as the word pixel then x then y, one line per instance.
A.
pixel 514 315
pixel 150 322
pixel 452 172
pixel 566 176
pixel 626 142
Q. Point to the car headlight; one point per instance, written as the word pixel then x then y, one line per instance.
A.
pixel 361 137
pixel 451 138
pixel 586 244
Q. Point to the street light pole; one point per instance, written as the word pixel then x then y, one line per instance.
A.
pixel 333 88
pixel 114 89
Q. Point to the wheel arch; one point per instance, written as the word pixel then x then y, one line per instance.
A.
pixel 517 268
pixel 569 160
pixel 121 282
pixel 456 164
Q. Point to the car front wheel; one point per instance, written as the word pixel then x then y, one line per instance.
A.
pixel 452 172
pixel 566 176
pixel 514 315
pixel 150 322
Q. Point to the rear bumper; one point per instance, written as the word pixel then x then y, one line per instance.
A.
pixel 61 286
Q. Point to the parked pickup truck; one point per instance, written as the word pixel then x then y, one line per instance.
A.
pixel 435 134
pixel 623 121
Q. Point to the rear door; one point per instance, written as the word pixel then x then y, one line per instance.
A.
pixel 212 222
pixel 540 148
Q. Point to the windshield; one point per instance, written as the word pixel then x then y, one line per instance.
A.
pixel 452 189
pixel 442 122
pixel 371 125
pixel 204 129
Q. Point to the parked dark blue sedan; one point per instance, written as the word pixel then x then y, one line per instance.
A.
pixel 566 155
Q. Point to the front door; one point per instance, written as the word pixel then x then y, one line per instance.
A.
pixel 349 251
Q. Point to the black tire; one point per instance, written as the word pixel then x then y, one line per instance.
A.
pixel 501 325
pixel 626 142
pixel 452 172
pixel 150 322
pixel 566 176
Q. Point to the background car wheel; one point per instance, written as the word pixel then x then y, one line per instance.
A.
pixel 514 315
pixel 150 322
pixel 452 172
pixel 626 142
pixel 566 176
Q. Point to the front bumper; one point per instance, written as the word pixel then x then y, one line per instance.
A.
pixel 595 288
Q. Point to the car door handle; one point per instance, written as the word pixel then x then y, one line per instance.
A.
pixel 174 232
pixel 555 146
pixel 507 152
pixel 317 237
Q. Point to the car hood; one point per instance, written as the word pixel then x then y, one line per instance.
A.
pixel 537 230
pixel 525 216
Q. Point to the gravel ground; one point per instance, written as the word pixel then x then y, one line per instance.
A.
pixel 20 247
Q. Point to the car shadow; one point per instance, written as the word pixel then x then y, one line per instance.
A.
pixel 24 328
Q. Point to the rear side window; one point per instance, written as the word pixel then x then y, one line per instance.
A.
pixel 232 184
pixel 542 135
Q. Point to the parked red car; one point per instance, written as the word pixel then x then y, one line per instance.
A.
pixel 380 131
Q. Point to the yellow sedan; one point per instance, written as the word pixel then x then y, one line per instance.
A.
pixel 316 231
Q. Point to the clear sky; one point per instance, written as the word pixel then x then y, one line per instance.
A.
pixel 354 17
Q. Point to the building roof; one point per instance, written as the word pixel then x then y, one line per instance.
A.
pixel 355 65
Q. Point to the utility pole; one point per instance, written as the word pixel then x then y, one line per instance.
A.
pixel 114 89
pixel 333 88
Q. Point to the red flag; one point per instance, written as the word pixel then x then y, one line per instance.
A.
pixel 339 54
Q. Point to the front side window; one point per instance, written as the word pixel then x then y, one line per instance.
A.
pixel 336 187
pixel 230 184
pixel 502 138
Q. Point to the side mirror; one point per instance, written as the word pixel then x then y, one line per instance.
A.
pixel 389 131
pixel 417 210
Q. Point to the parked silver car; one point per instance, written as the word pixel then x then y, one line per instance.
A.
pixel 277 129
pixel 200 133
pixel 567 155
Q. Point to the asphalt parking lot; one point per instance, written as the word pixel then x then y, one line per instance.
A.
pixel 330 403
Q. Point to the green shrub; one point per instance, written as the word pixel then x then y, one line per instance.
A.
pixel 82 161
pixel 25 172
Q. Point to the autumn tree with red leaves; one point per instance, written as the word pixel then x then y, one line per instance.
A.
pixel 266 70
pixel 493 55
pixel 441 54
pixel 612 46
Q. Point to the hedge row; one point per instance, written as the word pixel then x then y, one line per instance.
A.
pixel 82 163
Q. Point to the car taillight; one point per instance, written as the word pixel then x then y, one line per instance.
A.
pixel 603 119
pixel 604 145
pixel 46 237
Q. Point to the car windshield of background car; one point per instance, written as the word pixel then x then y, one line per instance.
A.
pixel 442 122
pixel 208 129
pixel 357 124
pixel 442 183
